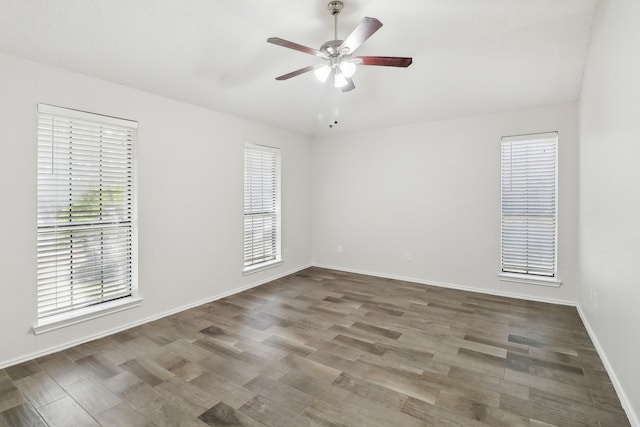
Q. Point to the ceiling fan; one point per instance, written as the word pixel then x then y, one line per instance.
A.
pixel 339 63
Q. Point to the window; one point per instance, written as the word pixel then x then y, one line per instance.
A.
pixel 261 207
pixel 85 245
pixel 529 205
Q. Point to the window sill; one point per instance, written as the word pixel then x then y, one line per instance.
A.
pixel 260 267
pixel 84 314
pixel 553 282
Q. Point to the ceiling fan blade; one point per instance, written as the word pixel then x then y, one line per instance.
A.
pixel 295 46
pixel 349 86
pixel 298 72
pixel 362 32
pixel 385 61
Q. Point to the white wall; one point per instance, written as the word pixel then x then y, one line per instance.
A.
pixel 433 189
pixel 190 172
pixel 610 193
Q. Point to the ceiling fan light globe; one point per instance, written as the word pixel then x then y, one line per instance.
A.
pixel 322 73
pixel 348 68
pixel 339 80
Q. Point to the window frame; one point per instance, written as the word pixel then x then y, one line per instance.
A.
pixel 76 315
pixel 277 256
pixel 525 277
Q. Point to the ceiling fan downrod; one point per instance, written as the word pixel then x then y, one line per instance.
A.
pixel 335 7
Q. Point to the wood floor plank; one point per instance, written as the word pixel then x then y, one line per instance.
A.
pixel 408 385
pixel 121 415
pixel 62 369
pixel 325 413
pixel 147 370
pixel 606 416
pixel 540 411
pixel 223 414
pixel 39 389
pixel 131 389
pixel 271 414
pixel 188 397
pixel 579 394
pixel 475 346
pixel 231 369
pixel 98 366
pixel 23 370
pixel 288 397
pixel 92 395
pixel 370 391
pixel 21 415
pixel 169 411
pixel 464 379
pixel 10 396
pixel 486 411
pixel 437 416
pixel 388 365
pixel 66 412
pixel 472 361
pixel 308 366
pixel 338 363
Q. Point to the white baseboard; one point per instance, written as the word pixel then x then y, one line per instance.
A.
pixel 624 400
pixel 450 285
pixel 139 322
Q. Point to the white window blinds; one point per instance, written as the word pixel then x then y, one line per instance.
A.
pixel 85 209
pixel 529 204
pixel 261 206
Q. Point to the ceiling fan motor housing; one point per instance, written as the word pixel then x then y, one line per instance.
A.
pixel 331 48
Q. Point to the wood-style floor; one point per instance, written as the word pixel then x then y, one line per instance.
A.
pixel 325 348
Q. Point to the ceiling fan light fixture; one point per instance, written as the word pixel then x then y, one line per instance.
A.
pixel 339 80
pixel 348 68
pixel 322 73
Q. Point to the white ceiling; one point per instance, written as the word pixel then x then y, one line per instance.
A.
pixel 469 56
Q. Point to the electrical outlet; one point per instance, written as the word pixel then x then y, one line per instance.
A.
pixel 408 257
pixel 339 249
pixel 285 253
